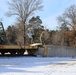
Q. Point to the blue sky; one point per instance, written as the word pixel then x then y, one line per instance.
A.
pixel 52 9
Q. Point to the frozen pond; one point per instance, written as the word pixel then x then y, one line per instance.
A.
pixel 37 66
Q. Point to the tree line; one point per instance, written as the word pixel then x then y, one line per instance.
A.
pixel 27 24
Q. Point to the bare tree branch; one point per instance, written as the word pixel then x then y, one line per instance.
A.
pixel 24 8
pixel 69 17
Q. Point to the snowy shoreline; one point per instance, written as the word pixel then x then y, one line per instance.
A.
pixel 37 66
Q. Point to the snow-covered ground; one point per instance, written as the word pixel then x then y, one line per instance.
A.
pixel 37 66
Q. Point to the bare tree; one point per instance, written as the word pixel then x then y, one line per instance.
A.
pixel 23 9
pixel 68 23
pixel 69 17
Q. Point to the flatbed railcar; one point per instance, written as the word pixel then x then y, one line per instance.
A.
pixel 19 50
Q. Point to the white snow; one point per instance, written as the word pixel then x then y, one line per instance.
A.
pixel 36 44
pixel 37 66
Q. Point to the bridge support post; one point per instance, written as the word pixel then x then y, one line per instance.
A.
pixel 45 51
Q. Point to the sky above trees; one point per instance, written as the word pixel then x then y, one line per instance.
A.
pixel 52 9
